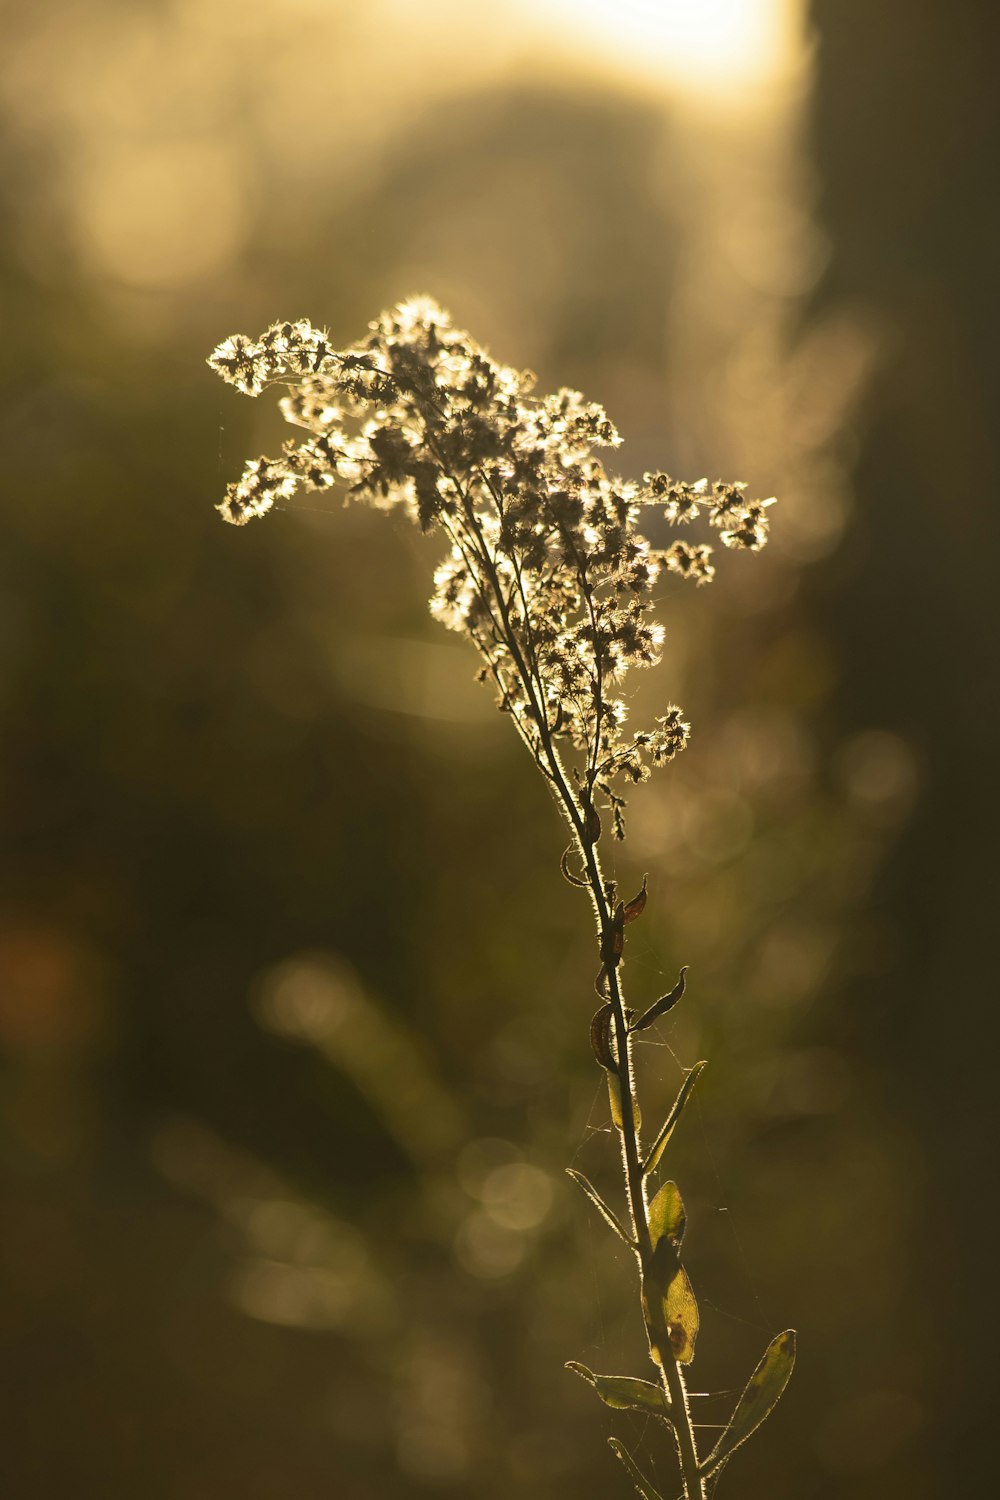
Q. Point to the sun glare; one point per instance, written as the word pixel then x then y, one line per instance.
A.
pixel 701 45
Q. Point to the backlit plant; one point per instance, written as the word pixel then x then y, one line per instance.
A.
pixel 547 572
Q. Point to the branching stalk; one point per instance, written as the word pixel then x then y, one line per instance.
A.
pixel 550 577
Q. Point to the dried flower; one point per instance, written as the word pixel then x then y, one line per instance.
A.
pixel 548 573
pixel 546 569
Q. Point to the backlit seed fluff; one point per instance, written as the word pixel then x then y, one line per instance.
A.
pixel 546 569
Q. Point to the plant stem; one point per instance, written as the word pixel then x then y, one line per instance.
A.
pixel 656 1331
pixel 578 808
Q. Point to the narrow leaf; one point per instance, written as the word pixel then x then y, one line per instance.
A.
pixel 602 1208
pixel 666 1215
pixel 600 1037
pixel 634 908
pixel 758 1400
pixel 568 873
pixel 636 1475
pixel 659 1145
pixel 660 1007
pixel 613 938
pixel 624 1392
pixel 618 930
pixel 615 1100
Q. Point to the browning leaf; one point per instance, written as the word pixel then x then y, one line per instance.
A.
pixel 660 1007
pixel 618 930
pixel 634 908
pixel 567 872
pixel 668 1283
pixel 680 1310
pixel 601 1038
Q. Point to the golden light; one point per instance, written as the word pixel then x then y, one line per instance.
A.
pixel 159 215
pixel 698 45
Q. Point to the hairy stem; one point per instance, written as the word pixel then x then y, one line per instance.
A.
pixel 671 1372
pixel 577 809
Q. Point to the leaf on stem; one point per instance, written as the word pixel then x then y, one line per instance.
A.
pixel 615 1103
pixel 615 1100
pixel 606 1213
pixel 568 873
pixel 660 1007
pixel 758 1400
pixel 667 1218
pixel 680 1310
pixel 636 1475
pixel 616 937
pixel 659 1145
pixel 625 1392
pixel 600 1037
pixel 634 908
pixel 668 1282
pixel 602 1042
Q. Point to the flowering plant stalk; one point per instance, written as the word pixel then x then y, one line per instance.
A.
pixel 548 574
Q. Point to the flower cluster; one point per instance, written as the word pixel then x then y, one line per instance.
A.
pixel 546 569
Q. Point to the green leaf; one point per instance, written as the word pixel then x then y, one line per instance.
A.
pixel 758 1400
pixel 636 1475
pixel 615 1103
pixel 680 1309
pixel 666 1282
pixel 659 1145
pixel 602 1208
pixel 660 1007
pixel 625 1392
pixel 615 1100
pixel 666 1215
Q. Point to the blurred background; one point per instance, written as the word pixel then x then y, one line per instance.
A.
pixel 293 1001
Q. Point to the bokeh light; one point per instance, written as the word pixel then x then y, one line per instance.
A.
pixel 709 48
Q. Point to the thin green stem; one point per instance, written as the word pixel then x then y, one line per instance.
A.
pixel 671 1371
